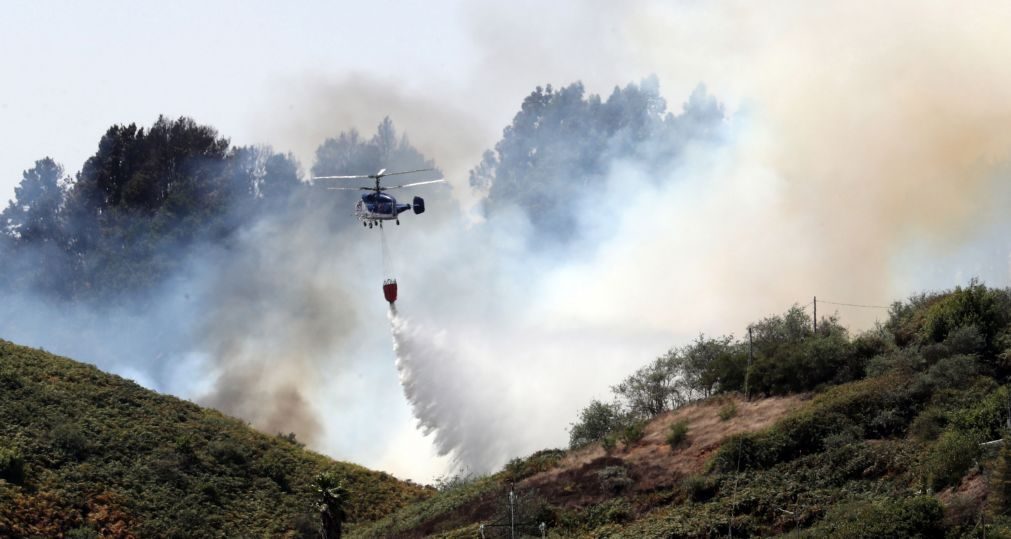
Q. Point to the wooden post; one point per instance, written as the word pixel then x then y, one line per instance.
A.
pixel 815 315
pixel 747 373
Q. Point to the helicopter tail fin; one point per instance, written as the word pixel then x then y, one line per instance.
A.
pixel 419 205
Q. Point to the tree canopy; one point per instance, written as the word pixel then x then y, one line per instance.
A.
pixel 563 139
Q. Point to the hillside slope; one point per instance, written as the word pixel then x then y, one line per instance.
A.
pixel 813 465
pixel 897 432
pixel 84 453
pixel 571 489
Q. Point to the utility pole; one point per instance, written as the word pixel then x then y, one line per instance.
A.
pixel 513 521
pixel 815 315
pixel 512 518
pixel 747 373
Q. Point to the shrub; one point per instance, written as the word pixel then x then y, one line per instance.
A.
pixel 455 481
pixel 728 411
pixel 609 442
pixel 920 516
pixel 806 364
pixel 889 422
pixel 928 425
pixel 275 465
pixel 633 432
pixel 965 340
pixel 614 479
pixel 700 488
pixel 540 461
pixel 229 452
pixel 678 434
pixel 950 458
pixel 976 305
pixel 953 372
pixel 69 439
pixel 12 466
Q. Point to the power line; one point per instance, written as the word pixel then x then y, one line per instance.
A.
pixel 856 305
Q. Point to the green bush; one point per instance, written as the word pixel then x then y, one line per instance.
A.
pixel 953 372
pixel 728 411
pixel 595 422
pixel 677 434
pixel 928 425
pixel 543 460
pixel 609 443
pixel 700 488
pixel 633 432
pixel 920 516
pixel 985 416
pixel 976 305
pixel 806 364
pixel 68 438
pixel 229 452
pixel 950 458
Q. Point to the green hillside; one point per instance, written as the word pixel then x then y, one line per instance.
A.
pixel 892 433
pixel 84 453
pixel 895 432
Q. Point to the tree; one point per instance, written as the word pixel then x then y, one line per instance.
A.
pixel 595 422
pixel 652 389
pixel 710 365
pixel 35 214
pixel 331 496
pixel 280 179
pixel 772 333
pixel 562 139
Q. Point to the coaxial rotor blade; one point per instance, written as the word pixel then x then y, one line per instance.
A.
pixel 413 184
pixel 404 172
pixel 341 177
pixel 351 188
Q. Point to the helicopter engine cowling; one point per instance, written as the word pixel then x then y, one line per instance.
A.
pixel 419 205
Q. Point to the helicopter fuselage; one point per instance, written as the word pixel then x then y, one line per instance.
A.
pixel 376 207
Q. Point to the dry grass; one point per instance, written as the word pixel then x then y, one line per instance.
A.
pixel 651 461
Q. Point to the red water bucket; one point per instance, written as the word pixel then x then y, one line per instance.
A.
pixel 390 290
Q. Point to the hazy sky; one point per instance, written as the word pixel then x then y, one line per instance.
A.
pixel 72 69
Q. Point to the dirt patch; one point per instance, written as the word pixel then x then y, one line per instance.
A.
pixel 963 503
pixel 651 463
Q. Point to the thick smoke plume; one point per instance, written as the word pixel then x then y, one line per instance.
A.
pixel 274 316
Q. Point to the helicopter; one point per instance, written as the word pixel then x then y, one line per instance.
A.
pixel 377 206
